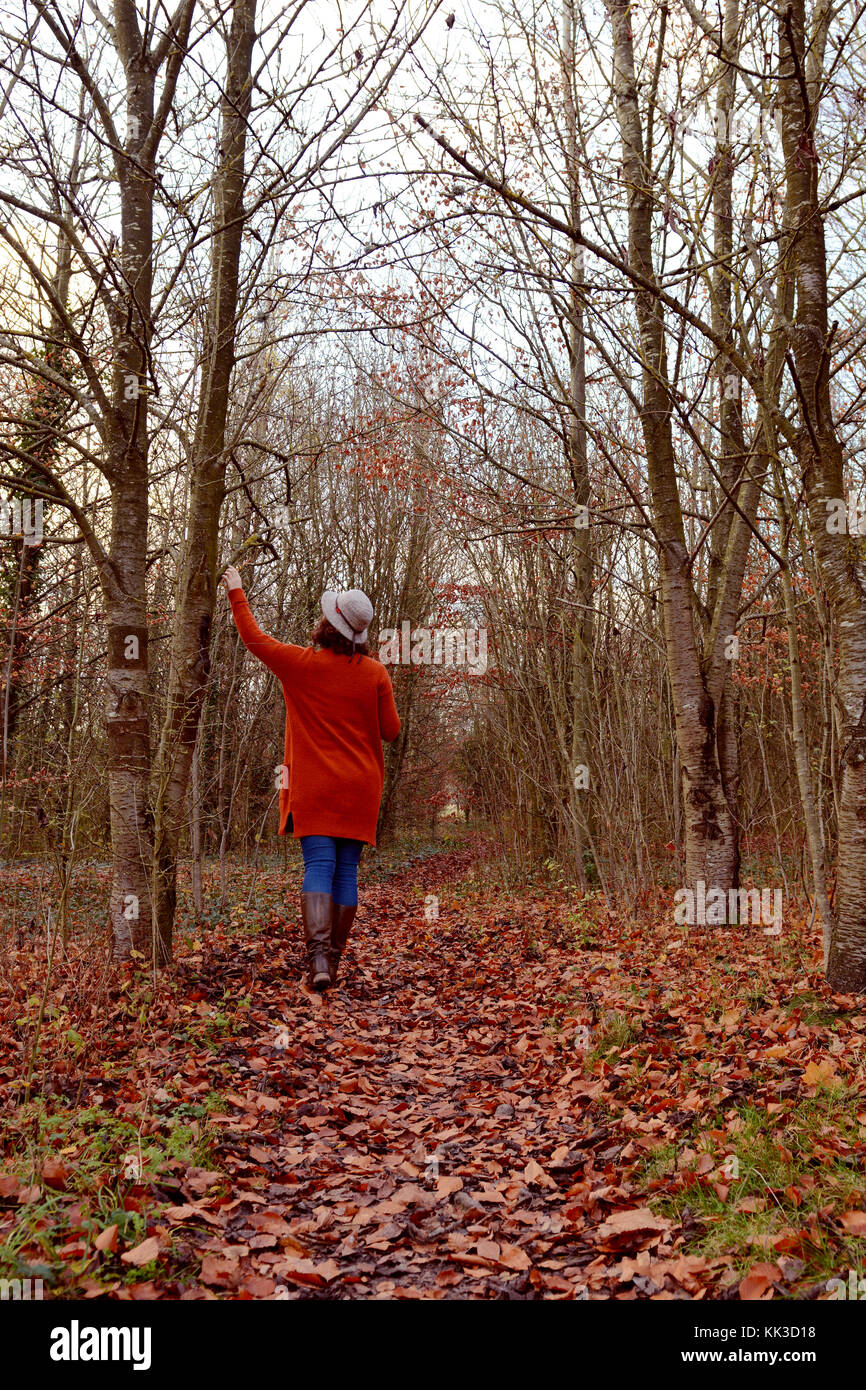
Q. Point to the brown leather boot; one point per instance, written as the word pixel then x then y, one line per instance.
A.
pixel 344 916
pixel 317 912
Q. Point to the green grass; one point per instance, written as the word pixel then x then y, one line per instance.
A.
pixel 759 1161
pixel 614 1033
pixel 106 1158
pixel 815 1010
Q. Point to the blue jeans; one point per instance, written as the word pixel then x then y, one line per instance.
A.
pixel 331 866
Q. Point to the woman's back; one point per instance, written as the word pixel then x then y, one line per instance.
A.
pixel 339 709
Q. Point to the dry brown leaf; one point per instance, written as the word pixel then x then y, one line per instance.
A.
pixel 142 1254
pixel 448 1185
pixel 514 1258
pixel 821 1073
pixel 758 1283
pixel 217 1270
pixel 854 1222
pixel 637 1221
pixel 106 1241
pixel 55 1173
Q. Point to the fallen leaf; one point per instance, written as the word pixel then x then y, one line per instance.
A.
pixel 106 1241
pixel 55 1173
pixel 639 1221
pixel 758 1283
pixel 142 1254
pixel 821 1073
pixel 514 1258
pixel 447 1185
pixel 219 1271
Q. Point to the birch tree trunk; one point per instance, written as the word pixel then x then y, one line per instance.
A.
pixel 821 462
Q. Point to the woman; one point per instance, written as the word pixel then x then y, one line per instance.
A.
pixel 339 707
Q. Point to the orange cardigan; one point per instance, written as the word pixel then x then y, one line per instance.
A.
pixel 337 713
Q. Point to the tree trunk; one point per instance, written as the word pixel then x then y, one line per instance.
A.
pixel 814 838
pixel 579 784
pixel 123 578
pixel 711 842
pixel 190 653
pixel 128 731
pixel 733 451
pixel 195 830
pixel 820 457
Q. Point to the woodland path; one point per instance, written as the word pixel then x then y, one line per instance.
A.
pixel 530 1096
pixel 421 1131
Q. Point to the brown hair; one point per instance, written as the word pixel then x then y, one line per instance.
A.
pixel 326 635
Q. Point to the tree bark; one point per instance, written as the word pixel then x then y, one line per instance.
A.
pixel 127 698
pixel 123 571
pixel 711 841
pixel 579 796
pixel 190 652
pixel 821 463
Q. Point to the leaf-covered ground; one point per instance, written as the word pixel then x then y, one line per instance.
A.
pixel 524 1097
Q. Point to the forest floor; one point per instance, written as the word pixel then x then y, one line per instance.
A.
pixel 529 1097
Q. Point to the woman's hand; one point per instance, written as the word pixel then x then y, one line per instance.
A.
pixel 231 578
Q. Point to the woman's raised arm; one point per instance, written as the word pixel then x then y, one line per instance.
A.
pixel 277 656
